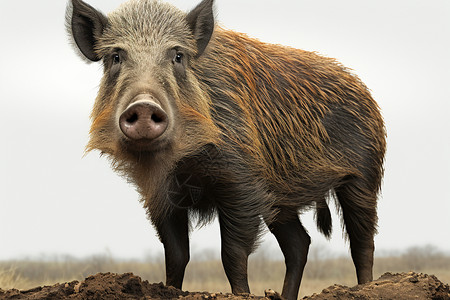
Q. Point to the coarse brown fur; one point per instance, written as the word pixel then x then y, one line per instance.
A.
pixel 256 132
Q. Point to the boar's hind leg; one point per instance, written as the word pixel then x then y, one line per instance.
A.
pixel 358 205
pixel 294 243
pixel 173 231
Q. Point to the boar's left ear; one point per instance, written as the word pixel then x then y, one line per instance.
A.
pixel 86 25
pixel 201 22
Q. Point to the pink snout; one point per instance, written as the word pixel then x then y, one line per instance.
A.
pixel 143 120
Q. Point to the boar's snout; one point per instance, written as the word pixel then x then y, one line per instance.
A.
pixel 143 120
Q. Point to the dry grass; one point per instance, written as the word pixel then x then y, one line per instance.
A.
pixel 321 271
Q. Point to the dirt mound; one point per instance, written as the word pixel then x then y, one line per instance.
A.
pixel 390 286
pixel 112 286
pixel 128 286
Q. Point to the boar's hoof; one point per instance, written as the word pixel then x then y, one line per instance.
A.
pixel 143 120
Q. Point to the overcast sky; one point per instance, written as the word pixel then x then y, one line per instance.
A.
pixel 55 201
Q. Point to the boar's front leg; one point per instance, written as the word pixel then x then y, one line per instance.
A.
pixel 235 254
pixel 240 224
pixel 173 231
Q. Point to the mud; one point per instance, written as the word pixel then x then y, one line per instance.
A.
pixel 128 286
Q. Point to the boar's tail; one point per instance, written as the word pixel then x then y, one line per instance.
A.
pixel 323 218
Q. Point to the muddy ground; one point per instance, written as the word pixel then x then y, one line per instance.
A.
pixel 128 286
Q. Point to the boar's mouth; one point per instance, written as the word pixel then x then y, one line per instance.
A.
pixel 143 146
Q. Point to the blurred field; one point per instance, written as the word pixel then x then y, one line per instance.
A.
pixel 206 274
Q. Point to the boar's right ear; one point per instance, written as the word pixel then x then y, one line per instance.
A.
pixel 86 25
pixel 201 22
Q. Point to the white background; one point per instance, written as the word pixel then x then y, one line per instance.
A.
pixel 54 201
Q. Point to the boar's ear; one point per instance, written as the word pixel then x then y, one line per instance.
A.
pixel 86 25
pixel 201 22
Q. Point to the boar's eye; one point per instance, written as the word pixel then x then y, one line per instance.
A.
pixel 178 58
pixel 116 59
pixel 178 61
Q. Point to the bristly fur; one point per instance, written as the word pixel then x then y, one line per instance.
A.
pixel 257 134
pixel 293 120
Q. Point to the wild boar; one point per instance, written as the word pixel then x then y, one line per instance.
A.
pixel 209 122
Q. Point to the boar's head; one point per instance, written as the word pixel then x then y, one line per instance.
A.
pixel 150 102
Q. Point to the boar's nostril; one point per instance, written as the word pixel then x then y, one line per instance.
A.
pixel 143 120
pixel 156 118
pixel 133 118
